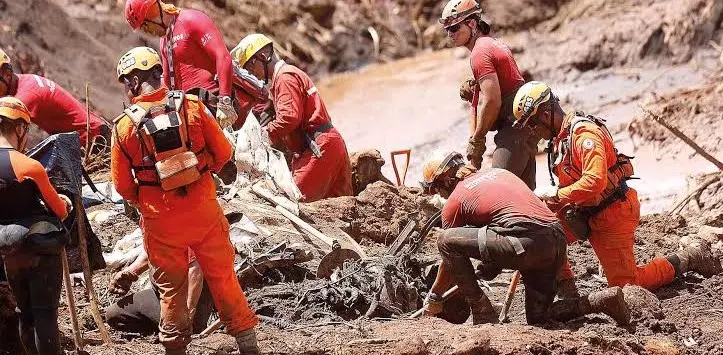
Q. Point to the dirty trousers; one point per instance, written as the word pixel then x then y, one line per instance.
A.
pixel 205 230
pixel 515 152
pixel 613 239
pixel 37 292
pixel 140 312
pixel 327 176
pixel 537 253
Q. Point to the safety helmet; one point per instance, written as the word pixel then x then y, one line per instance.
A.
pixel 439 163
pixel 457 11
pixel 141 58
pixel 528 100
pixel 13 109
pixel 248 47
pixel 4 59
pixel 136 11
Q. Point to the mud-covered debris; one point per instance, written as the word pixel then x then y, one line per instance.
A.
pixel 366 168
pixel 478 344
pixel 660 347
pixel 411 346
pixel 642 303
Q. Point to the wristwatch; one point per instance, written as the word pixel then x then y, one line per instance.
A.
pixel 225 100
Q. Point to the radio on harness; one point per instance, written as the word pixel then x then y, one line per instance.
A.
pixel 162 130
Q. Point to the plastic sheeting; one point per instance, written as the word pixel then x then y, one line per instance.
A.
pixel 255 159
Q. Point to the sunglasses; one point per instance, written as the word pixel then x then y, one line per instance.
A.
pixel 454 28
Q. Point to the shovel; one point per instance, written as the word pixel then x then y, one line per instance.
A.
pixel 407 152
pixel 336 257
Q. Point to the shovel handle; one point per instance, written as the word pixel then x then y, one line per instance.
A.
pixel 510 295
pixel 406 152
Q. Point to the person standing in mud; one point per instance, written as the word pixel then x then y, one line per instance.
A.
pixel 192 51
pixel 320 164
pixel 52 108
pixel 177 201
pixel 493 217
pixel 593 198
pixel 31 233
pixel 495 81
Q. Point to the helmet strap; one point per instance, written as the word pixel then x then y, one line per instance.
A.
pixel 550 143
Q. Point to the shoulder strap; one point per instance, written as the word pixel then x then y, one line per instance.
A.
pixel 117 138
pixel 169 53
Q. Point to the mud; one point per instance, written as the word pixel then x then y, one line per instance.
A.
pixel 366 168
pixel 379 213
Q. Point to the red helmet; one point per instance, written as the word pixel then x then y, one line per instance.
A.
pixel 136 11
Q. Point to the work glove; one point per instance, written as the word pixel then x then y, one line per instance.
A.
pixel 475 150
pixel 225 114
pixel 466 89
pixel 547 193
pixel 434 304
pixel 122 281
pixel 68 202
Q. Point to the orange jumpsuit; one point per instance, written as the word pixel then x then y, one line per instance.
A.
pixel 613 229
pixel 299 111
pixel 173 222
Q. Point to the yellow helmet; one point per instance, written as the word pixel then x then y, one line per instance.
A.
pixel 4 59
pixel 141 58
pixel 248 47
pixel 527 101
pixel 439 163
pixel 13 109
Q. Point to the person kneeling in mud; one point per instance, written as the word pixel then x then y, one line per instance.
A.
pixel 508 227
pixel 140 312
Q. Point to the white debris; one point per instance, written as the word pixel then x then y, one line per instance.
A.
pixel 125 251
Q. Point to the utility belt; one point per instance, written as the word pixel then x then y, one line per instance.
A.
pixel 310 138
pixel 578 217
pixel 506 115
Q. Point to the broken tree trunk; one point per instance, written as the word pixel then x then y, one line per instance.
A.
pixel 698 149
pixel 87 274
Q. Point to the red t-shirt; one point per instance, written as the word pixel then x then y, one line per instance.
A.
pixel 199 53
pixel 494 197
pixel 491 55
pixel 53 109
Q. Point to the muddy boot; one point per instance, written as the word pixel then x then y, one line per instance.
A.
pixel 698 259
pixel 482 311
pixel 609 301
pixel 566 289
pixel 246 341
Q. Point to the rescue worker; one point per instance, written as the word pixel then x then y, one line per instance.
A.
pixel 177 201
pixel 52 108
pixel 320 163
pixel 592 196
pixel 491 216
pixel 140 312
pixel 192 51
pixel 248 92
pixel 496 78
pixel 31 233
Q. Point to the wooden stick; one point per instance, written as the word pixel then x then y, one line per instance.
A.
pixel 87 122
pixel 510 295
pixel 446 296
pixel 697 191
pixel 87 274
pixel 407 152
pixel 70 299
pixel 698 149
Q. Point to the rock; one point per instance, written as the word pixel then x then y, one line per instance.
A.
pixel 711 234
pixel 411 346
pixel 479 344
pixel 642 303
pixel 660 347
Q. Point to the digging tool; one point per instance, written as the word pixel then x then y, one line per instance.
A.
pixel 407 152
pixel 87 274
pixel 336 257
pixel 70 299
pixel 447 295
pixel 510 295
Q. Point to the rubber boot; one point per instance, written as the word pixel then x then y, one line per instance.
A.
pixel 609 301
pixel 698 259
pixel 482 311
pixel 566 289
pixel 247 344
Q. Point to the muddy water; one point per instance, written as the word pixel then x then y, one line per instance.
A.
pixel 414 103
